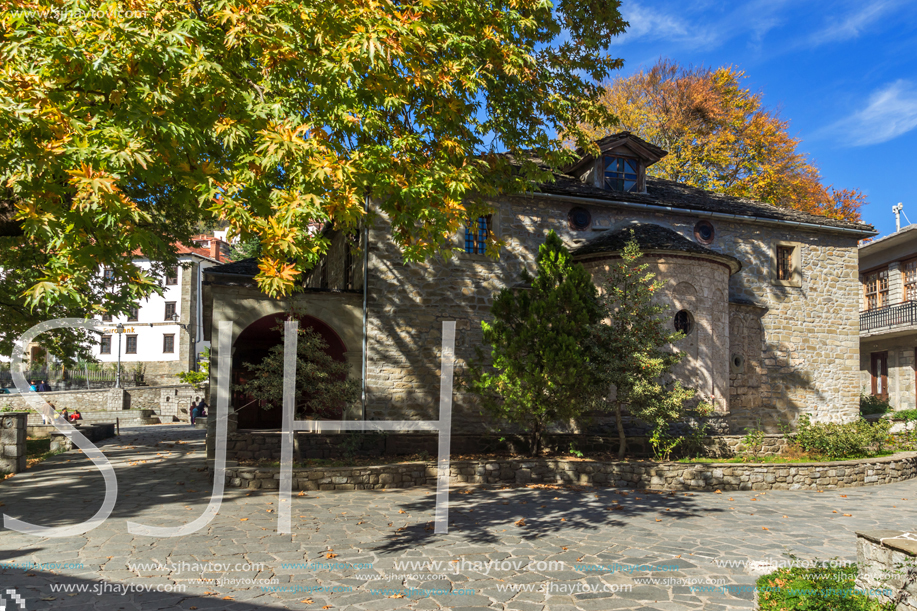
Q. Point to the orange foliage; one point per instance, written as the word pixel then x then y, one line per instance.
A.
pixel 721 138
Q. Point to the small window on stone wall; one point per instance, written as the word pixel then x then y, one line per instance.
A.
pixel 786 265
pixel 704 232
pixel 477 233
pixel 579 218
pixel 737 363
pixel 684 322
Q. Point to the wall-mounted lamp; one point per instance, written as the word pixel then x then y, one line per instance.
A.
pixel 175 318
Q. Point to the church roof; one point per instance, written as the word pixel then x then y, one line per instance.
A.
pixel 650 238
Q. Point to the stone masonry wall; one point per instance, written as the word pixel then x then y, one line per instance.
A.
pixel 887 564
pixel 804 354
pixel 90 401
pixel 642 475
pixel 700 287
pixel 12 442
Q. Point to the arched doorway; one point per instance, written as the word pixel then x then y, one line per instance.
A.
pixel 252 345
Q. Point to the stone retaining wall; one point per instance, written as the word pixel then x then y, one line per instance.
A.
pixel 638 474
pixel 265 445
pixel 171 402
pixel 93 432
pixel 887 560
pixel 127 417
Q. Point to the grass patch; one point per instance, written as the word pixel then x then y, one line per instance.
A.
pixel 781 459
pixel 37 450
pixel 815 589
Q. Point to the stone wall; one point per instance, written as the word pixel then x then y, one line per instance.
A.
pixel 12 442
pixel 63 442
pixel 642 475
pixel 800 352
pixel 699 287
pixel 113 399
pixel 83 400
pixel 127 417
pixel 887 563
pixel 265 445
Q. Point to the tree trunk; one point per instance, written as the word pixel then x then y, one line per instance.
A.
pixel 622 440
pixel 535 448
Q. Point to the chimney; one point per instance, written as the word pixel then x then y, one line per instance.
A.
pixel 215 249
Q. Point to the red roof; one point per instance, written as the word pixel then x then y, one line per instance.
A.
pixel 202 245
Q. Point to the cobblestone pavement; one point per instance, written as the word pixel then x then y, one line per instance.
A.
pixel 325 564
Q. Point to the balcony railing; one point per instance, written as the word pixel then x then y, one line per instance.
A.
pixel 889 316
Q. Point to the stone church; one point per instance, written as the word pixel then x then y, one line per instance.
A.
pixel 768 297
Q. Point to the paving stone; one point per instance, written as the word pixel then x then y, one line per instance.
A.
pixel 700 528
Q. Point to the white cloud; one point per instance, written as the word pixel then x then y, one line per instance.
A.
pixel 698 24
pixel 889 113
pixel 648 24
pixel 854 24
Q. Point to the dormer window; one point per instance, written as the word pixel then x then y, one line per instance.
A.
pixel 622 174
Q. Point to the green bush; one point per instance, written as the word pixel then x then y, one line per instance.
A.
pixel 815 589
pixel 904 414
pixel 850 440
pixel 870 404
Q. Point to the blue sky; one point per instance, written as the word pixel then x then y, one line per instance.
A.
pixel 843 73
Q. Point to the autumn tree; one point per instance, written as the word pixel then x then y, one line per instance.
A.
pixel 125 124
pixel 720 137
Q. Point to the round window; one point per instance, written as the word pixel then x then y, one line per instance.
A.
pixel 684 322
pixel 579 218
pixel 704 232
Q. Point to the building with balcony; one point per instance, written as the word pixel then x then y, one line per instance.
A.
pixel 888 320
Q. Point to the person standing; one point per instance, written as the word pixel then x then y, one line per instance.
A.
pixel 195 411
pixel 44 387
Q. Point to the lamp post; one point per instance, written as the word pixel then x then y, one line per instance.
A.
pixel 120 330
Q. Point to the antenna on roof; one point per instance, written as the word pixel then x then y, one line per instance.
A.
pixel 897 210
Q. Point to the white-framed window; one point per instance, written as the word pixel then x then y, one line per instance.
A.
pixel 876 287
